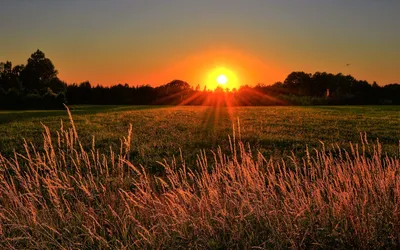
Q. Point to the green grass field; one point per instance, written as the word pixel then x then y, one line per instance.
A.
pixel 160 132
pixel 251 193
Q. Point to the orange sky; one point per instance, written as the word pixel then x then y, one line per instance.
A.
pixel 201 68
pixel 154 42
pixel 241 68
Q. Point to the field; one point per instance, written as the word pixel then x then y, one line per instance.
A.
pixel 200 178
pixel 160 132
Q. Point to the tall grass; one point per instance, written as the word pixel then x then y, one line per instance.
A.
pixel 69 197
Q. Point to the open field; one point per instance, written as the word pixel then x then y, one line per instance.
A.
pixel 63 193
pixel 160 132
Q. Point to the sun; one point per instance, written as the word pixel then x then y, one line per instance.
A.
pixel 222 79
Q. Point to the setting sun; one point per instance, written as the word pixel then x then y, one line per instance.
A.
pixel 222 79
pixel 222 76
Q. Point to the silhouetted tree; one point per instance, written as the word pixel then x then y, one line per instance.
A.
pixel 9 77
pixel 38 72
pixel 299 83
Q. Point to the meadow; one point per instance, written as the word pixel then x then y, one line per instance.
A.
pixel 160 132
pixel 143 177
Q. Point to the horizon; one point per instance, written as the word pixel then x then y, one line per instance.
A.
pixel 156 42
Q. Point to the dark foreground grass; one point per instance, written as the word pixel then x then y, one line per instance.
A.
pixel 160 132
pixel 67 197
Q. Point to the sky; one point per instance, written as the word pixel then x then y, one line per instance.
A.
pixel 156 41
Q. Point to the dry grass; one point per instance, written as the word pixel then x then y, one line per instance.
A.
pixel 66 197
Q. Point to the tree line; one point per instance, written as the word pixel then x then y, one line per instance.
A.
pixel 31 86
pixel 36 86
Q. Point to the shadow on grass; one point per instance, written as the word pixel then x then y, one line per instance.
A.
pixel 7 116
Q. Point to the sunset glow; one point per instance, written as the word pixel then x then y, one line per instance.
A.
pixel 222 77
pixel 141 42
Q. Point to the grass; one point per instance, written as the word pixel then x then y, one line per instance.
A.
pixel 160 132
pixel 65 196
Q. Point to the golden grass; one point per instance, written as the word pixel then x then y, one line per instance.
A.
pixel 69 197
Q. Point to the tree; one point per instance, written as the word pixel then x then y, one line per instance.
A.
pixel 17 70
pixel 219 90
pixel 6 68
pixel 57 86
pixel 299 83
pixel 323 81
pixel 38 72
pixel 85 85
pixel 9 76
pixel 177 86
